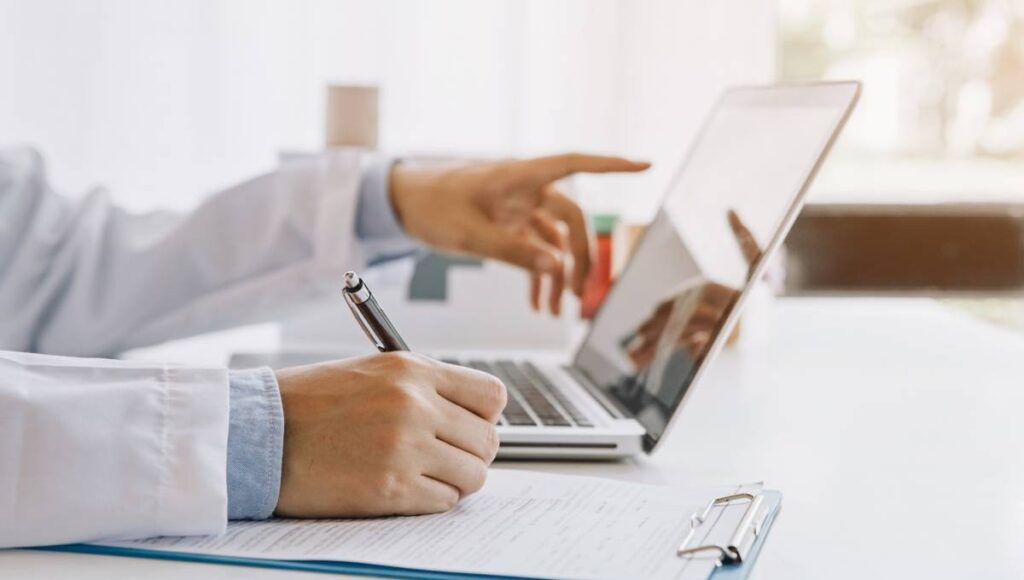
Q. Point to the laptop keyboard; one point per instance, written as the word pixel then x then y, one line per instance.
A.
pixel 532 399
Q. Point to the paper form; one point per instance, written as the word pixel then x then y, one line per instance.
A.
pixel 520 524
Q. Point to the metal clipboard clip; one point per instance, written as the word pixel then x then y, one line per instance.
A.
pixel 742 539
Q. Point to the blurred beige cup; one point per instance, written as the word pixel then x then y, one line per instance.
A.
pixel 352 115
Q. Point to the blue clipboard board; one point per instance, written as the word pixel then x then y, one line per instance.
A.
pixel 772 501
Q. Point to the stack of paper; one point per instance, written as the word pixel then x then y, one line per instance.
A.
pixel 521 524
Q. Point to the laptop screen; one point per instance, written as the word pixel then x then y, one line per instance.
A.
pixel 728 207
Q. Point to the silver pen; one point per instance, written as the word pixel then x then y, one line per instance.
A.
pixel 370 316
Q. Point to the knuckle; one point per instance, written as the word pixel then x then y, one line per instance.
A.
pixel 405 400
pixel 450 500
pixel 492 442
pixel 495 395
pixel 386 485
pixel 402 359
pixel 476 478
pixel 391 489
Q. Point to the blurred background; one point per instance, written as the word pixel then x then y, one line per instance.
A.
pixel 942 115
pixel 923 193
pixel 164 102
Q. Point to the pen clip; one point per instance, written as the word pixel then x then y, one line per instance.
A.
pixel 362 322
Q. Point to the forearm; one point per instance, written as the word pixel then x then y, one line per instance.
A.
pixel 89 278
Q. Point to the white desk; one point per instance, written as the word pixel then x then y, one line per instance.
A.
pixel 891 426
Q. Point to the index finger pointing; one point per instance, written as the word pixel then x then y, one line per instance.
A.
pixel 555 167
pixel 474 390
pixel 748 245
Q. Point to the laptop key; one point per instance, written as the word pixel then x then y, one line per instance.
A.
pixel 515 414
pixel 548 414
pixel 577 416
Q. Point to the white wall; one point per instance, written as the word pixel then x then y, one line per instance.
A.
pixel 165 100
pixel 677 57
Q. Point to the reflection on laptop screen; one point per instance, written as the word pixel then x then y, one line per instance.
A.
pixel 726 206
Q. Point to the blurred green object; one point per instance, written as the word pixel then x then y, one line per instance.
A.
pixel 604 223
pixel 1005 312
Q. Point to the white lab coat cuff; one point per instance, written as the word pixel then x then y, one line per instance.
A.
pixel 193 490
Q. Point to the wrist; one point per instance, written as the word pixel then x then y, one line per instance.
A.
pixel 411 192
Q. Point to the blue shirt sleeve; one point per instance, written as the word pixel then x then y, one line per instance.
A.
pixel 255 444
pixel 377 227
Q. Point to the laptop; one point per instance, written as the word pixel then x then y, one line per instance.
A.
pixel 672 308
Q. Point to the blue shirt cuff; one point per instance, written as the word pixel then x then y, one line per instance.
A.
pixel 377 225
pixel 255 444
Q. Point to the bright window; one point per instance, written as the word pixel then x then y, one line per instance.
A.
pixel 942 114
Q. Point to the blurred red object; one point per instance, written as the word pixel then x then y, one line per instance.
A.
pixel 600 279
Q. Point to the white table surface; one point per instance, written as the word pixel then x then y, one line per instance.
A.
pixel 892 427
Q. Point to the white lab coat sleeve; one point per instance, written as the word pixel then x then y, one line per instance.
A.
pixel 89 279
pixel 94 449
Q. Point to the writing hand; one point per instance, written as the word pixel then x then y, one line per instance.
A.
pixel 386 434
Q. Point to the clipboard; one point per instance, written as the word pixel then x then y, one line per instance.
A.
pixel 737 557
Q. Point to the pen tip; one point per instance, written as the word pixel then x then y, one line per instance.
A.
pixel 351 279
